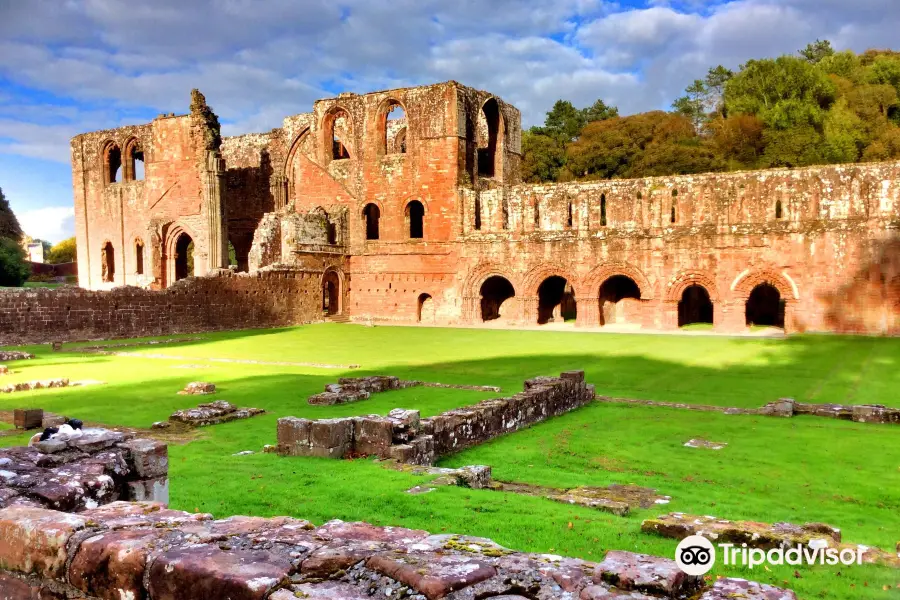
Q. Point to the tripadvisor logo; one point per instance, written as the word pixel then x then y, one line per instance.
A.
pixel 696 555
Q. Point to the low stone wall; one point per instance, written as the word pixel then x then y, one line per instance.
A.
pixel 142 550
pixel 785 407
pixel 351 389
pixel 97 468
pixel 220 301
pixel 404 437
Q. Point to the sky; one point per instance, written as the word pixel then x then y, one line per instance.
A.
pixel 72 66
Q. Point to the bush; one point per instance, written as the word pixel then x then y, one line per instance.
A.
pixel 13 270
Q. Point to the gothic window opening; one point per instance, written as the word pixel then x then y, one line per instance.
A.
pixel 415 218
pixel 372 215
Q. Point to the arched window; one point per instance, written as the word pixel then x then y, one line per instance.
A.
pixel 339 133
pixel 672 215
pixel 108 262
pixel 394 122
pixel 139 257
pixel 778 212
pixel 603 210
pixel 112 163
pixel 488 131
pixel 371 214
pixel 134 161
pixel 184 257
pixel 415 218
pixel 569 219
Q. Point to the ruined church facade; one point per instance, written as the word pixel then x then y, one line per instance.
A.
pixel 407 206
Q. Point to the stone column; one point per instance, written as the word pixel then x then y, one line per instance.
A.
pixel 588 312
pixel 212 175
pixel 278 189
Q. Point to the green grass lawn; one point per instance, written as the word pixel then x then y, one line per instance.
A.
pixel 799 470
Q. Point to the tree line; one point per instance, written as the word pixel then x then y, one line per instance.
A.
pixel 816 107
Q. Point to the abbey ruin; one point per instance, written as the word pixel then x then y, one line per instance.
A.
pixel 407 206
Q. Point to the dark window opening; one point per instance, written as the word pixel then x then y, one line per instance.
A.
pixel 505 207
pixel 135 158
pixel 537 214
pixel 778 212
pixel 139 258
pixel 425 309
pixel 495 291
pixel 415 217
pixel 395 127
pixel 614 290
pixel 108 262
pixel 603 210
pixel 569 216
pixel 477 213
pixel 556 301
pixel 184 257
pixel 695 306
pixel 672 216
pixel 113 164
pixel 331 294
pixel 488 130
pixel 339 134
pixel 765 306
pixel 371 214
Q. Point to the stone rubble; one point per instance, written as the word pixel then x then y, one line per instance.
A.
pixel 27 386
pixel 99 467
pixel 761 535
pixel 4 370
pixel 198 388
pixel 403 436
pixel 212 413
pixel 352 389
pixel 784 407
pixel 701 443
pixel 143 550
pixel 8 355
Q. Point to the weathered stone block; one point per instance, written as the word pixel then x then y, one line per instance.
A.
pixel 293 433
pixel 575 376
pixel 331 433
pixel 111 565
pixel 33 540
pixel 149 490
pixel 730 588
pixel 372 435
pixel 645 573
pixel 208 572
pixel 201 388
pixel 147 458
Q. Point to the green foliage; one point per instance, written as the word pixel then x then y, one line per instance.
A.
pixel 63 252
pixel 542 157
pixel 703 99
pixel 817 51
pixel 9 224
pixel 13 268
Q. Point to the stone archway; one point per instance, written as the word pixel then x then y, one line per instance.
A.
pixel 425 312
pixel 184 256
pixel 765 306
pixel 616 296
pixel 331 293
pixel 695 306
pixel 556 301
pixel 494 293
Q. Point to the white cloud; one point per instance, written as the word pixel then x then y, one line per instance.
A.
pixel 53 223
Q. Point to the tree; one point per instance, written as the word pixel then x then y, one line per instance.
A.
pixel 817 51
pixel 13 269
pixel 703 98
pixel 542 157
pixel 783 93
pixel 9 225
pixel 564 122
pixel 845 136
pixel 599 111
pixel 63 252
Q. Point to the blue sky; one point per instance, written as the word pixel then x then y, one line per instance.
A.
pixel 70 66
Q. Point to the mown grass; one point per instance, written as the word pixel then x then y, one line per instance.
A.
pixel 799 470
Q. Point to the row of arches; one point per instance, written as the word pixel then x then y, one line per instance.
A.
pixel 556 301
pixel 391 127
pixel 413 213
pixel 121 166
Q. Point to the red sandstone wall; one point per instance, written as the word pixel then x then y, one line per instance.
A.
pixel 221 301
